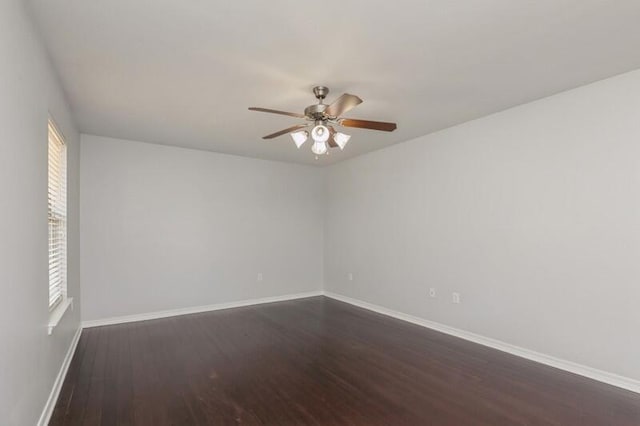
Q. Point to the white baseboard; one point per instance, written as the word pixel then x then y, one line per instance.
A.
pixel 582 370
pixel 57 385
pixel 196 309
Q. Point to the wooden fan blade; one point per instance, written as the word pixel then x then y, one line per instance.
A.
pixel 275 111
pixel 366 124
pixel 331 142
pixel 288 130
pixel 343 104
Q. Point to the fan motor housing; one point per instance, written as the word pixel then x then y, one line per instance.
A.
pixel 316 111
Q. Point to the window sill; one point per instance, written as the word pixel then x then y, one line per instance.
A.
pixel 56 315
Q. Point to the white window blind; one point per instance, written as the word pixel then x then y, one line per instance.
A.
pixel 57 208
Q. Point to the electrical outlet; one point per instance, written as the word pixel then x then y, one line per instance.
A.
pixel 455 297
pixel 432 292
pixel 350 276
pixel 259 276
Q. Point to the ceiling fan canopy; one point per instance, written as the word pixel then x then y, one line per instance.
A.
pixel 324 117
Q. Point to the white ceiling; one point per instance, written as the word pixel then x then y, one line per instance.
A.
pixel 184 72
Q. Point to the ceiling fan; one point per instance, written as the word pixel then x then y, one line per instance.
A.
pixel 324 117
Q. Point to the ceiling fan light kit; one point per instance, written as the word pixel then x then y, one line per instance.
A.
pixel 341 139
pixel 299 137
pixel 320 133
pixel 319 148
pixel 324 117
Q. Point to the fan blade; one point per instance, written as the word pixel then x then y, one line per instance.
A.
pixel 343 104
pixel 332 143
pixel 275 111
pixel 366 124
pixel 288 130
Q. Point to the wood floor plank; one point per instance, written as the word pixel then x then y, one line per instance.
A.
pixel 317 361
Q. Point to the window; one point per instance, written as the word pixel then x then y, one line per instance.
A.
pixel 57 215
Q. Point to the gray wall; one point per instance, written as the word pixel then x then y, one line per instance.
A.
pixel 532 214
pixel 166 228
pixel 29 358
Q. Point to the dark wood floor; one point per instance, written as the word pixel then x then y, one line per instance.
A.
pixel 317 362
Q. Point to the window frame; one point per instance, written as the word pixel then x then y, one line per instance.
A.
pixel 57 215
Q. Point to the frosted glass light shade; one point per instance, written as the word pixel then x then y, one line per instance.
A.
pixel 320 133
pixel 300 137
pixel 319 147
pixel 341 139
